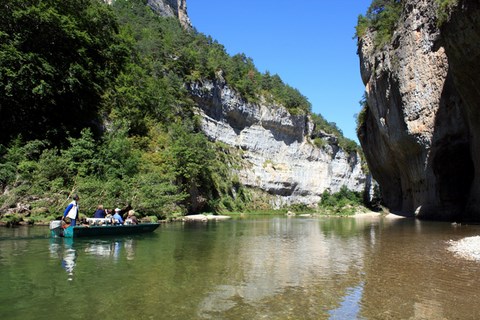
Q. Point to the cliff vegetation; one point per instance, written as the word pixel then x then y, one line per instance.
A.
pixel 381 18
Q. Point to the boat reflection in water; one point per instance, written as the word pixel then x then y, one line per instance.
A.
pixel 112 248
pixel 64 249
pixel 67 251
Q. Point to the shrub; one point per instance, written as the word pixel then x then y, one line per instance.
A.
pixel 342 202
pixel 12 219
pixel 382 17
pixel 444 10
pixel 362 115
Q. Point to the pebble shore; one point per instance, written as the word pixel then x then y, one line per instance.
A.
pixel 467 248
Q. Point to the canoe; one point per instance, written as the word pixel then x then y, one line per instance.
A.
pixel 56 230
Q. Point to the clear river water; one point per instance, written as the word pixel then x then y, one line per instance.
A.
pixel 252 268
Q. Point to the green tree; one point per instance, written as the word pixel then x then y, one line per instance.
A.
pixel 444 10
pixel 79 156
pixel 56 58
pixel 117 158
pixel 382 17
pixel 342 202
pixel 18 161
pixel 191 157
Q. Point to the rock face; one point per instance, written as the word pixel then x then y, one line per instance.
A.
pixel 421 128
pixel 172 8
pixel 169 8
pixel 461 36
pixel 278 156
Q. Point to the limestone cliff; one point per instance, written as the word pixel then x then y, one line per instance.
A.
pixel 420 132
pixel 169 8
pixel 172 8
pixel 278 156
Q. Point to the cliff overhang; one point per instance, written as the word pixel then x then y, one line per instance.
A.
pixel 421 130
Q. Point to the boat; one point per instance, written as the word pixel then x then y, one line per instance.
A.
pixel 94 230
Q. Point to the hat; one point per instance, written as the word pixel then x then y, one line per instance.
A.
pixel 117 210
pixel 131 213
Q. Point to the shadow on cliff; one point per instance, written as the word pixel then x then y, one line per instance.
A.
pixel 450 159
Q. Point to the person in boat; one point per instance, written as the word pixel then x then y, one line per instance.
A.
pixel 117 217
pixel 100 213
pixel 108 215
pixel 131 218
pixel 71 211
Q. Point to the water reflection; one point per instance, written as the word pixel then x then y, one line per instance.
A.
pixel 350 306
pixel 341 269
pixel 411 275
pixel 265 268
pixel 111 248
pixel 288 259
pixel 64 250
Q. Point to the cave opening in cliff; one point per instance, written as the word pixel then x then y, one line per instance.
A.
pixel 454 171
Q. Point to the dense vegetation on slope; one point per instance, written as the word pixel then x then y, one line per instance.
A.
pixel 92 100
pixel 56 58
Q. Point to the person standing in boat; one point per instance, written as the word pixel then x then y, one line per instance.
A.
pixel 117 217
pixel 72 210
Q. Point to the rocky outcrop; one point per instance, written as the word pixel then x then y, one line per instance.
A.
pixel 169 8
pixel 278 155
pixel 420 129
pixel 172 8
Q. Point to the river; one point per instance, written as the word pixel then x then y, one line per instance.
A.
pixel 252 268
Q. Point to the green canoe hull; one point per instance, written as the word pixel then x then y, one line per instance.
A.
pixel 94 231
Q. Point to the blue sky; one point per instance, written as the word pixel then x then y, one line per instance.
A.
pixel 309 44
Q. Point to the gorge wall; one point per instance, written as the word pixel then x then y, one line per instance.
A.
pixel 278 156
pixel 421 130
